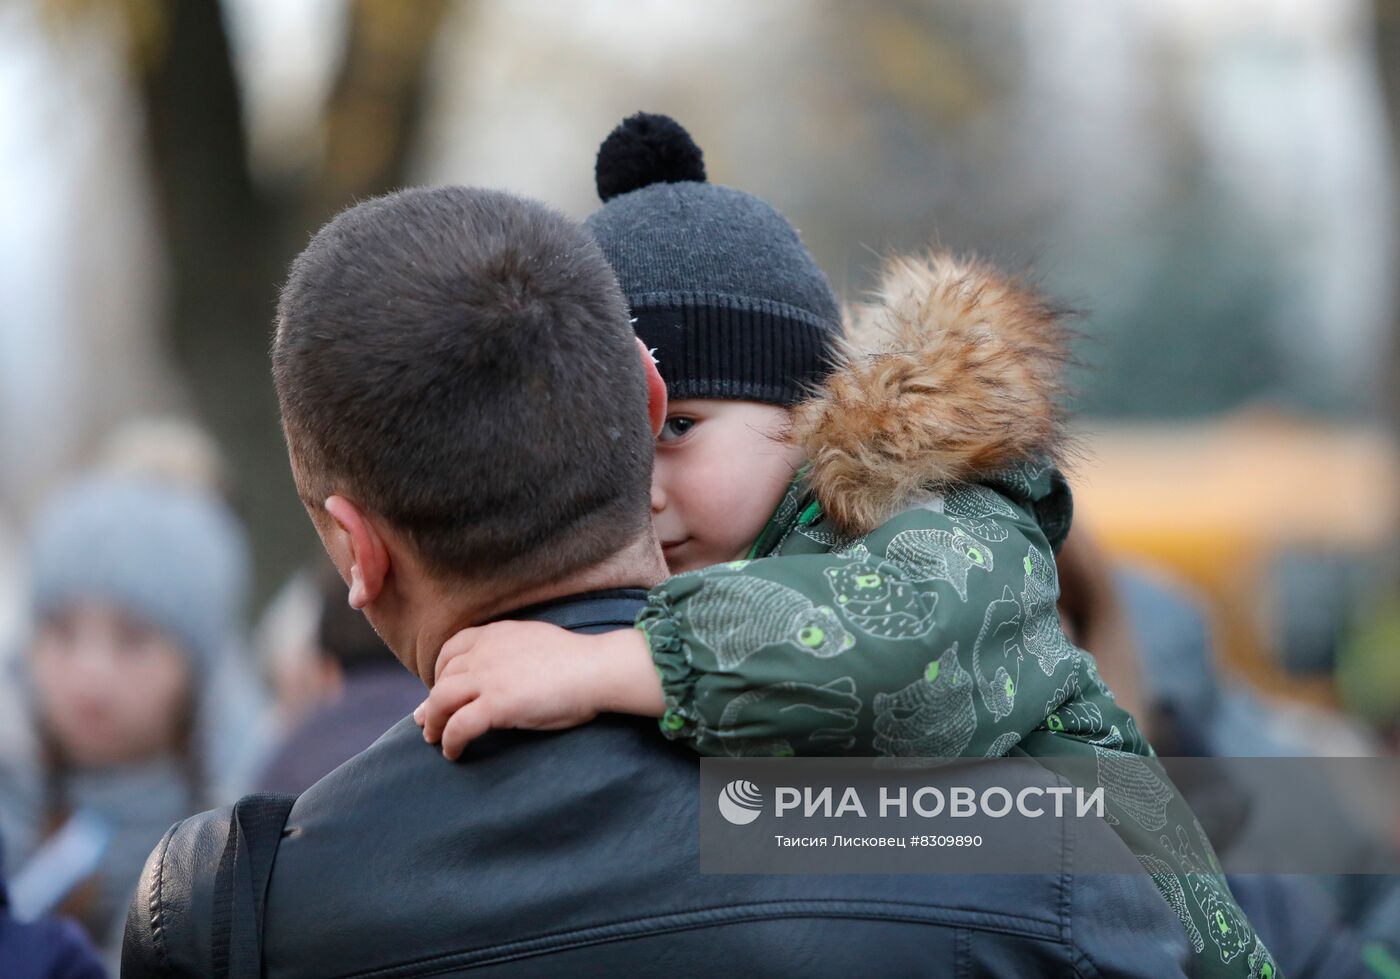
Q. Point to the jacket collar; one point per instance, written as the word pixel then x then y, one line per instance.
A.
pixel 608 607
pixel 1037 485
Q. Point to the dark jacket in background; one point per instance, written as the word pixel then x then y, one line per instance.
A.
pixel 1199 714
pixel 51 948
pixel 373 699
pixel 575 854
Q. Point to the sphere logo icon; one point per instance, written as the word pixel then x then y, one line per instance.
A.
pixel 740 802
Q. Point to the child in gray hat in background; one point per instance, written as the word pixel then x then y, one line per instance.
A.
pixel 137 710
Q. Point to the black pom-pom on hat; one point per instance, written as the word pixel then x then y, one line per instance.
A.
pixel 715 279
pixel 646 149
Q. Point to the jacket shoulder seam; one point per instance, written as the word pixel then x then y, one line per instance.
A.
pixel 156 905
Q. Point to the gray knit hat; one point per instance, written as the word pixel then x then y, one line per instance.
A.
pixel 719 282
pixel 174 557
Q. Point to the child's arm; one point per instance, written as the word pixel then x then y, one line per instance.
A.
pixel 758 661
pixel 808 654
pixel 932 635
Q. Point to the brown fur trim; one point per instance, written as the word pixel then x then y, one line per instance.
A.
pixel 954 370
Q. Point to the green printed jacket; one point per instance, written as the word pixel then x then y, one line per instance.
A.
pixel 936 635
pixel 934 631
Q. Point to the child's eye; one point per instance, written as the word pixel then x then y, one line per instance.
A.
pixel 676 427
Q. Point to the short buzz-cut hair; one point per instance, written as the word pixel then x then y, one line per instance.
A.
pixel 461 363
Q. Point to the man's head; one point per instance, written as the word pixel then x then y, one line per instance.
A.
pixel 463 400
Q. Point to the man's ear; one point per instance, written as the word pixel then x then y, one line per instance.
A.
pixel 656 391
pixel 361 547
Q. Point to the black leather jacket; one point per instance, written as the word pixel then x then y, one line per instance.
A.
pixel 576 854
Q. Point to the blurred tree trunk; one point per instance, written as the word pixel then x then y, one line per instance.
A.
pixel 377 105
pixel 229 244
pixel 1388 60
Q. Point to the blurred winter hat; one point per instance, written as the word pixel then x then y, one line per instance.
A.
pixel 172 556
pixel 719 282
pixel 167 448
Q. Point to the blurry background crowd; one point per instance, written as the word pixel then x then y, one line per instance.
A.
pixel 1213 184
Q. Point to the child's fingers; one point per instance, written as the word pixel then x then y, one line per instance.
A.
pixel 458 645
pixel 465 726
pixel 419 712
pixel 449 695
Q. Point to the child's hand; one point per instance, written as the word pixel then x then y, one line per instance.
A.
pixel 537 676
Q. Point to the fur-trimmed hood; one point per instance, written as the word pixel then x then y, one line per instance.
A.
pixel 952 372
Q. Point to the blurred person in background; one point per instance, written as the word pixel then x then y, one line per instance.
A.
pixel 130 675
pixel 285 646
pixel 362 688
pixel 1144 627
pixel 1094 617
pixel 48 949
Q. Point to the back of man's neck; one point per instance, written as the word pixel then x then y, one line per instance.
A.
pixel 639 565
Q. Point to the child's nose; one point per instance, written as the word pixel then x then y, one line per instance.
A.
pixel 658 498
